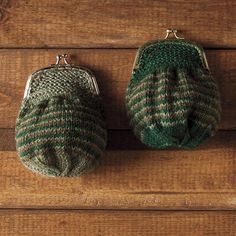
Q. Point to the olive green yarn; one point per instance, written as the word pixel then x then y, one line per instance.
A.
pixel 60 129
pixel 172 99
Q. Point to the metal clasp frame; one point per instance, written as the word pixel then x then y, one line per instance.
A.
pixel 174 32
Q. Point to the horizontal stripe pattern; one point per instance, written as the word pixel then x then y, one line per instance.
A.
pixel 68 123
pixel 162 103
pixel 49 112
pixel 60 135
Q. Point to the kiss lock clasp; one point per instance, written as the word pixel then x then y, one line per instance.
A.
pixel 174 32
pixel 60 57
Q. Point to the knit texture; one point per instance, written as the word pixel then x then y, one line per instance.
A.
pixel 60 129
pixel 172 99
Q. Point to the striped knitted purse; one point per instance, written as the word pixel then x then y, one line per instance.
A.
pixel 60 129
pixel 172 99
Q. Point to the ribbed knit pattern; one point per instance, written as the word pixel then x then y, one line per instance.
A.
pixel 60 130
pixel 172 99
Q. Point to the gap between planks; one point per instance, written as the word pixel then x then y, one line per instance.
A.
pixel 126 140
pixel 114 23
pixel 200 179
pixel 112 69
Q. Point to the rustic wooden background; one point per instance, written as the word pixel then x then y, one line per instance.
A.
pixel 136 191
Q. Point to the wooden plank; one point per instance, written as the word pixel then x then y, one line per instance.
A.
pixel 88 23
pixel 125 140
pixel 7 140
pixel 114 223
pixel 113 69
pixel 172 179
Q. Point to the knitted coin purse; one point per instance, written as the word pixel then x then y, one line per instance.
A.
pixel 172 99
pixel 60 129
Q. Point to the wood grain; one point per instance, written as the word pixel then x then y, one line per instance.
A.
pixel 121 195
pixel 173 179
pixel 125 223
pixel 88 23
pixel 112 68
pixel 126 140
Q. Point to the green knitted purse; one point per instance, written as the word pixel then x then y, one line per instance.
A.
pixel 172 99
pixel 60 129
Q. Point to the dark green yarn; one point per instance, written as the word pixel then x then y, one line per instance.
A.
pixel 172 99
pixel 60 129
pixel 166 54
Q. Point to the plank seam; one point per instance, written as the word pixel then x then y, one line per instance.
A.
pixel 115 209
pixel 103 48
